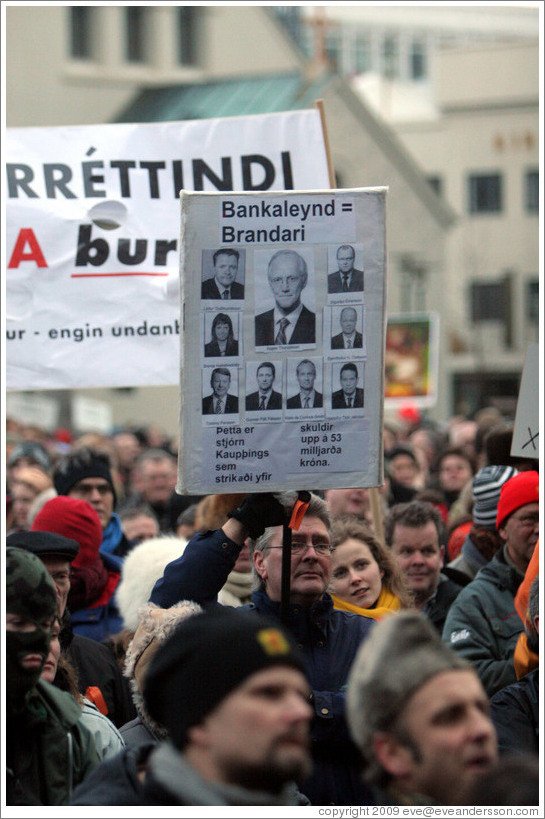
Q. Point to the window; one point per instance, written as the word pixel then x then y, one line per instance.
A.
pixel 418 67
pixel 135 33
pixel 436 183
pixel 390 67
pixel 487 301
pixel 333 48
pixel 531 187
pixel 290 17
pixel 485 193
pixel 532 301
pixel 362 54
pixel 187 35
pixel 80 32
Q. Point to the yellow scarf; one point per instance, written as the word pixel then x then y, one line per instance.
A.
pixel 386 604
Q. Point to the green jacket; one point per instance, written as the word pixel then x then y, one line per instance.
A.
pixel 59 754
pixel 483 625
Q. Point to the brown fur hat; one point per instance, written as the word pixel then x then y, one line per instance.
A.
pixel 155 626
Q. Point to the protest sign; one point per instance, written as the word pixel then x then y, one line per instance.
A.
pixel 92 238
pixel 525 442
pixel 282 375
pixel 411 359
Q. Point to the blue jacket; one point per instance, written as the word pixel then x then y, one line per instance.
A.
pixel 99 622
pixel 328 640
pixel 515 714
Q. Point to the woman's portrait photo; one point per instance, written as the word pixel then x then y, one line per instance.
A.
pixel 222 338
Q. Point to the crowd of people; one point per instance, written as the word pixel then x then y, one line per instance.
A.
pixel 159 653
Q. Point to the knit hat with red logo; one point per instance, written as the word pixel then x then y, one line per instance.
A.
pixel 516 492
pixel 205 658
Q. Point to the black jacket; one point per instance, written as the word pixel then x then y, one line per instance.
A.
pixel 97 667
pixel 515 714
pixel 437 608
pixel 304 331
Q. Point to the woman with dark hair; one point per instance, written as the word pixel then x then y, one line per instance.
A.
pixel 59 672
pixel 223 339
pixel 365 579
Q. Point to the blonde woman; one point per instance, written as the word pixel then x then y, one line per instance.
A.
pixel 364 579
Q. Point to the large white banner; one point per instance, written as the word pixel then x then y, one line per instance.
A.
pixel 92 239
pixel 282 367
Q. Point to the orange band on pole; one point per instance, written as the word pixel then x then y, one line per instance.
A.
pixel 299 510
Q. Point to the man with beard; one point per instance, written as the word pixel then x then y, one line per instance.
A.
pixel 327 638
pixel 229 687
pixel 419 715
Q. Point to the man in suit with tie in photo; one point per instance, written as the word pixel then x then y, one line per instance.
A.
pixel 265 398
pixel 349 338
pixel 290 322
pixel 220 402
pixel 223 285
pixel 307 397
pixel 346 279
pixel 350 395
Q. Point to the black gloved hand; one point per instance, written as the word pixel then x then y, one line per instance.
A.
pixel 258 511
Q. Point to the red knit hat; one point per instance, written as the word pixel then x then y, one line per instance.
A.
pixel 75 519
pixel 516 492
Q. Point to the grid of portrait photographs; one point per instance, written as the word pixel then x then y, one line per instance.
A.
pixel 309 302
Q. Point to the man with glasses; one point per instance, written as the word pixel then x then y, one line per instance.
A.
pixel 290 322
pixel 328 639
pixel 482 624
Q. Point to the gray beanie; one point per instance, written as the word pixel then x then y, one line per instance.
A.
pixel 403 651
pixel 487 485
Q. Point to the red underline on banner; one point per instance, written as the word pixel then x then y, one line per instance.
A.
pixel 107 275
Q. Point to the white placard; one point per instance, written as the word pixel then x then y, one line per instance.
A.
pixel 92 238
pixel 91 415
pixel 33 409
pixel 270 410
pixel 525 442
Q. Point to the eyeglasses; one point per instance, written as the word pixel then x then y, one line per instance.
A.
pixel 298 549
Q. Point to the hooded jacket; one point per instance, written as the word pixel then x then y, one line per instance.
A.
pixel 52 751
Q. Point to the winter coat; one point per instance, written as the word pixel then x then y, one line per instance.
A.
pixel 515 714
pixel 99 675
pixel 483 625
pixel 438 606
pixel 48 749
pixel 169 780
pixel 328 640
pixel 137 733
pixel 108 740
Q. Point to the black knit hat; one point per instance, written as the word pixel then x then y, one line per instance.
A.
pixel 79 464
pixel 207 657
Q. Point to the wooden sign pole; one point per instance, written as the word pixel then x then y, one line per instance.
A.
pixel 373 491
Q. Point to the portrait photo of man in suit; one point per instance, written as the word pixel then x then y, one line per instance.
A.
pixel 290 322
pixel 222 284
pixel 220 402
pixel 349 338
pixel 346 279
pixel 307 397
pixel 264 398
pixel 350 396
